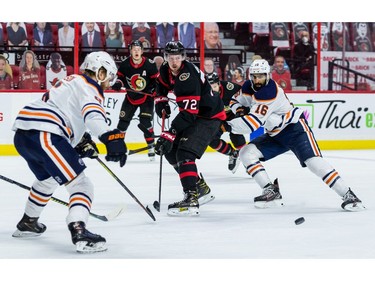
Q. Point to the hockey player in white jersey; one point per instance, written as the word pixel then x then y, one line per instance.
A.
pixel 264 103
pixel 49 135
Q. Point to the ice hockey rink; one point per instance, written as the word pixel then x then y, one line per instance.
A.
pixel 228 228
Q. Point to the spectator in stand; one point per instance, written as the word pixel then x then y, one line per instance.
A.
pixel 55 70
pixel 17 38
pixel 362 41
pixel 209 65
pixel 42 35
pixel 164 33
pixel 186 34
pixel 66 36
pixel 6 76
pixel 114 37
pixel 303 56
pixel 141 31
pixel 159 60
pixel 211 36
pixel 280 74
pixel 29 72
pixel 231 66
pixel 91 36
pixel 239 76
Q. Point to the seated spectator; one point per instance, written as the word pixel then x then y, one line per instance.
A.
pixel 281 73
pixel 66 36
pixel 239 76
pixel 55 70
pixel 211 36
pixel 17 38
pixel 114 37
pixel 141 31
pixel 186 34
pixel 91 38
pixel 210 67
pixel 6 76
pixel 42 35
pixel 164 33
pixel 158 61
pixel 30 76
pixel 303 57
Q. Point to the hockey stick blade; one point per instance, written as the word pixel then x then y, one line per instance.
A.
pixel 115 213
pixel 147 132
pixel 156 206
pixel 134 151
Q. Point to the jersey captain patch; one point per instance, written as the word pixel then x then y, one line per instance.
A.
pixel 137 82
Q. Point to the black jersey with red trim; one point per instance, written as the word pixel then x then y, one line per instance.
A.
pixel 138 78
pixel 227 90
pixel 192 91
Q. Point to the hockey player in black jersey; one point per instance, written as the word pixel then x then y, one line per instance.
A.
pixel 200 114
pixel 227 90
pixel 138 75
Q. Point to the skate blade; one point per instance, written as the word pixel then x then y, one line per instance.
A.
pixel 354 207
pixel 206 199
pixel 234 170
pixel 183 212
pixel 83 247
pixel 268 204
pixel 25 234
pixel 151 158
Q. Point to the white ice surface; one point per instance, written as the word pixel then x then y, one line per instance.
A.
pixel 229 231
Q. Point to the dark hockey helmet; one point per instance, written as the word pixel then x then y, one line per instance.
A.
pixel 213 78
pixel 174 48
pixel 135 43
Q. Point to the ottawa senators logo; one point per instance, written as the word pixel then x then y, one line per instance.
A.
pixel 136 82
pixel 184 76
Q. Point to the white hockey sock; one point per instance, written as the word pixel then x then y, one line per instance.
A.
pixel 328 174
pixel 40 193
pixel 81 192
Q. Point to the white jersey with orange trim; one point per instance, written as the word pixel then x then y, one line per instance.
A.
pixel 68 109
pixel 269 107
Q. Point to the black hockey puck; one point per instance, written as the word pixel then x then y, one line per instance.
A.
pixel 299 220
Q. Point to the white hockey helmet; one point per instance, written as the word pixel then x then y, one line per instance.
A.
pixel 95 60
pixel 260 67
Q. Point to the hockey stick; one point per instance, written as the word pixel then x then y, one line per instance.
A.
pixel 115 213
pixel 134 151
pixel 157 203
pixel 147 209
pixel 143 93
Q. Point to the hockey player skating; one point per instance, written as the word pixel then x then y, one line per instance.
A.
pixel 49 136
pixel 226 90
pixel 138 74
pixel 264 103
pixel 198 120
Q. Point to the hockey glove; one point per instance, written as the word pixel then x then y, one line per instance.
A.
pixel 161 103
pixel 87 147
pixel 242 110
pixel 165 142
pixel 225 127
pixel 118 85
pixel 116 147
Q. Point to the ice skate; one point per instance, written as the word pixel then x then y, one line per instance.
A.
pixel 189 206
pixel 204 191
pixel 85 241
pixel 151 152
pixel 234 161
pixel 351 202
pixel 29 227
pixel 270 198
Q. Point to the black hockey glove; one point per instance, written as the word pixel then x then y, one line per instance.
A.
pixel 225 127
pixel 116 147
pixel 165 142
pixel 118 85
pixel 161 103
pixel 87 147
pixel 242 110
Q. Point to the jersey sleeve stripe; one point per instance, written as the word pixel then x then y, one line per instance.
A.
pixel 252 121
